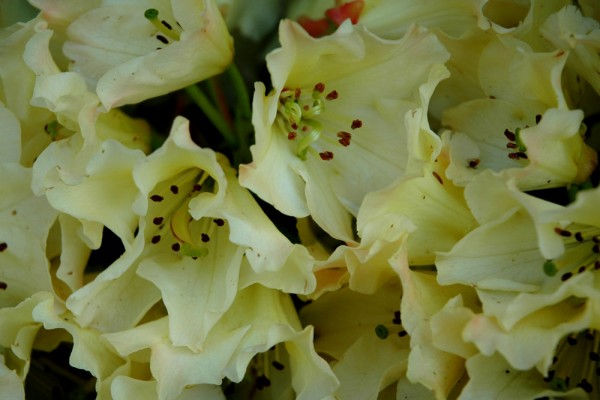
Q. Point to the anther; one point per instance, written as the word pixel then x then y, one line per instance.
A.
pixel 162 39
pixel 157 220
pixel 326 155
pixel 3 246
pixel 562 232
pixel 155 239
pixel 474 163
pixel 510 135
pixel 3 285
pixel 578 236
pixel 344 138
pixel 277 365
pixel 566 276
pixel 204 237
pixel 320 87
pixel 357 123
pixel 291 135
pixel 538 118
pixel 175 246
pixel 438 177
pixel 156 197
pixel 219 222
pixel 332 95
pixel 174 189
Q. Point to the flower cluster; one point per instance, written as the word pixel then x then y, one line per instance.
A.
pixel 408 208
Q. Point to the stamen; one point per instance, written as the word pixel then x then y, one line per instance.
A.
pixel 3 285
pixel 163 27
pixel 3 246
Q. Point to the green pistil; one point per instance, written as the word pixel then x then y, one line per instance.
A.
pixel 151 15
pixel 559 385
pixel 550 268
pixel 193 251
pixel 52 129
pixel 520 145
pixel 308 139
pixel 381 331
pixel 298 116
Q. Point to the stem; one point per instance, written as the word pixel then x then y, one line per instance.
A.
pixel 240 90
pixel 212 113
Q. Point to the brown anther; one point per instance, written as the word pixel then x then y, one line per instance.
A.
pixel 277 365
pixel 344 138
pixel 197 188
pixel 522 154
pixel 3 285
pixel 332 95
pixel 219 222
pixel 162 39
pixel 175 247
pixel 155 239
pixel 560 53
pixel 174 189
pixel 157 220
pixel 513 156
pixel 305 107
pixel 581 269
pixel 3 246
pixel 297 93
pixel 402 333
pixel 438 177
pixel 597 265
pixel 566 276
pixel 156 197
pixel 166 25
pixel 474 162
pixel 596 248
pixel 320 87
pixel 204 237
pixel 326 155
pixel 510 135
pixel 511 145
pixel 578 236
pixel 562 232
pixel 357 123
pixel 292 135
pixel 294 126
pixel 538 118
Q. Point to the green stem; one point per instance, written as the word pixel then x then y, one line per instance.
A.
pixel 240 90
pixel 212 113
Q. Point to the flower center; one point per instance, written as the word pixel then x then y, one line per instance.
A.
pixel 297 115
pixel 171 222
pixel 166 30
pixel 394 327
pixel 582 251
pixel 576 363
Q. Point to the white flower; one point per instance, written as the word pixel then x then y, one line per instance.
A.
pixel 167 47
pixel 323 130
